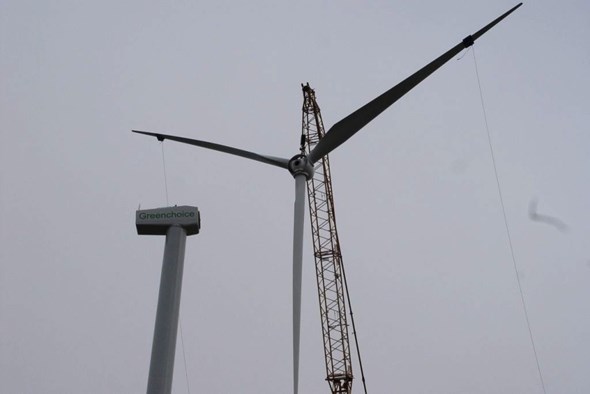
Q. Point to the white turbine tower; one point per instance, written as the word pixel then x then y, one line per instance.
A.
pixel 301 166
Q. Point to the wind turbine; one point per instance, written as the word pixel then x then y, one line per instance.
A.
pixel 301 166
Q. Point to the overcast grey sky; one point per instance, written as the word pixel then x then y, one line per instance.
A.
pixel 433 285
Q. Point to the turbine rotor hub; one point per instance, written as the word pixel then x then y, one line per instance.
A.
pixel 300 164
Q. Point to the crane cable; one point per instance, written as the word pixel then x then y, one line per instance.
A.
pixel 179 318
pixel 165 176
pixel 356 342
pixel 524 307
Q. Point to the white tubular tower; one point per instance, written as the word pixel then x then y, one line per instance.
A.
pixel 175 223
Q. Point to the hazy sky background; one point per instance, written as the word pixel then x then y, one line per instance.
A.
pixel 428 261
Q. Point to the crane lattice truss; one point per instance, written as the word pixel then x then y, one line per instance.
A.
pixel 328 258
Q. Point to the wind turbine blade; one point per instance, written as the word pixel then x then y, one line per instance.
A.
pixel 299 206
pixel 348 126
pixel 275 161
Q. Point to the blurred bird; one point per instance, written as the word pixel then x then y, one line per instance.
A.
pixel 535 216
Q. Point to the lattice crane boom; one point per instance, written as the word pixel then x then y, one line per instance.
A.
pixel 328 257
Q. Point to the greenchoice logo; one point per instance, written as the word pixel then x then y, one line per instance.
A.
pixel 167 215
